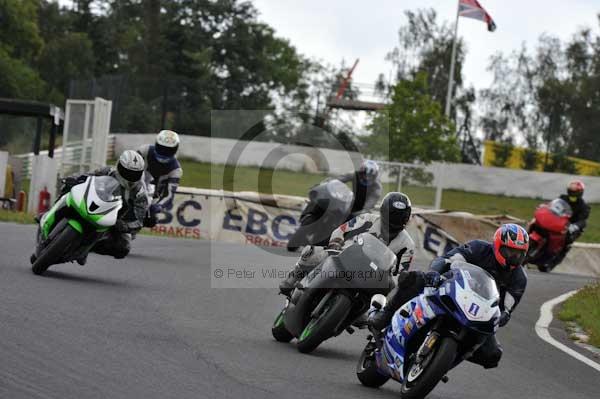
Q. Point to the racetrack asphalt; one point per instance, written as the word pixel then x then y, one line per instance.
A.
pixel 151 326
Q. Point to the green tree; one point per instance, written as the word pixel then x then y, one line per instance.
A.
pixel 20 46
pixel 413 128
pixel 65 57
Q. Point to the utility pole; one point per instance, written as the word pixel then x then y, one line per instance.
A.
pixel 452 66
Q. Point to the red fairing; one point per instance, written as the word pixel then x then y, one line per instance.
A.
pixel 535 236
pixel 554 225
pixel 549 221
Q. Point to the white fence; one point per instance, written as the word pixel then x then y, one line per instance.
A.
pixel 72 154
pixel 511 182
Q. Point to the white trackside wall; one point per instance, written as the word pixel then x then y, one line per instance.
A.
pixel 3 166
pixel 474 178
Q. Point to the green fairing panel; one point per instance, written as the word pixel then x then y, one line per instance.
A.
pixel 76 225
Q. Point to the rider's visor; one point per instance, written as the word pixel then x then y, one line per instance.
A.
pixel 514 256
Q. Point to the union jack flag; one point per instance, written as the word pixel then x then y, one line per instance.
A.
pixel 472 9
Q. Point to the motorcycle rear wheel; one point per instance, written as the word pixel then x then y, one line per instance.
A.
pixel 435 368
pixel 54 252
pixel 543 268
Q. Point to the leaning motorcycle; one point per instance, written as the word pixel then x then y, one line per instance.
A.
pixel 329 205
pixel 76 222
pixel 548 233
pixel 433 332
pixel 334 294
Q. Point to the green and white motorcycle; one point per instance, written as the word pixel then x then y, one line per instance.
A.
pixel 69 230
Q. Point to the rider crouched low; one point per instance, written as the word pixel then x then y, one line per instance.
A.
pixel 366 186
pixel 578 220
pixel 163 173
pixel 128 171
pixel 388 226
pixel 502 258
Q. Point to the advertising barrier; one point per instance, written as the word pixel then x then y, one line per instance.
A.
pixel 270 220
pixel 243 217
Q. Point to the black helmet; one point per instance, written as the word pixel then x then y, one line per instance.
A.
pixel 395 213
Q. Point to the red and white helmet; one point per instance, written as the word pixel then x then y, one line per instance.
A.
pixel 511 243
pixel 575 190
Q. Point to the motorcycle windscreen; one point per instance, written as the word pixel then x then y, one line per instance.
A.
pixel 561 208
pixel 107 188
pixel 478 280
pixel 367 262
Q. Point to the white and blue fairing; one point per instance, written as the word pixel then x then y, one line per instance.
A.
pixel 470 296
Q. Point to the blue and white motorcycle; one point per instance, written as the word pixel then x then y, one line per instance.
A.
pixel 433 332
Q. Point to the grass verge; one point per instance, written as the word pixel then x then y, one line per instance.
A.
pixel 15 217
pixel 204 175
pixel 584 309
pixel 297 183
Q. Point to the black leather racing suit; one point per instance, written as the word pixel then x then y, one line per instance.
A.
pixel 581 213
pixel 366 194
pixel 116 241
pixel 511 285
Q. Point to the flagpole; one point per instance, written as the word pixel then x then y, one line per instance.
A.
pixel 452 64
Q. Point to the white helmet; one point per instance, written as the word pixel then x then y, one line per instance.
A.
pixel 130 167
pixel 369 170
pixel 166 146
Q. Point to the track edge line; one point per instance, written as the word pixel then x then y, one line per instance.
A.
pixel 541 329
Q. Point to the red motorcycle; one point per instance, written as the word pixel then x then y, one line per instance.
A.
pixel 548 233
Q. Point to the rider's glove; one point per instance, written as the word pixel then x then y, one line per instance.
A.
pixel 155 208
pixel 504 318
pixel 150 220
pixel 433 279
pixel 573 229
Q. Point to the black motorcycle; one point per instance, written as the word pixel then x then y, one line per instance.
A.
pixel 329 205
pixel 333 295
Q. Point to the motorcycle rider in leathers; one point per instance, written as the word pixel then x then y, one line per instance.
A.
pixel 163 173
pixel 502 258
pixel 366 186
pixel 128 172
pixel 388 226
pixel 578 220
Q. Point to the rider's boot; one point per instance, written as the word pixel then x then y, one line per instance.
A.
pixel 361 321
pixel 287 286
pixel 82 260
pixel 409 285
pixel 310 257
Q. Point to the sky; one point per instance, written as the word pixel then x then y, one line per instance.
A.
pixel 332 30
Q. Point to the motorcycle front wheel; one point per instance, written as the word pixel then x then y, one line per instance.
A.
pixel 53 253
pixel 421 378
pixel 280 333
pixel 322 326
